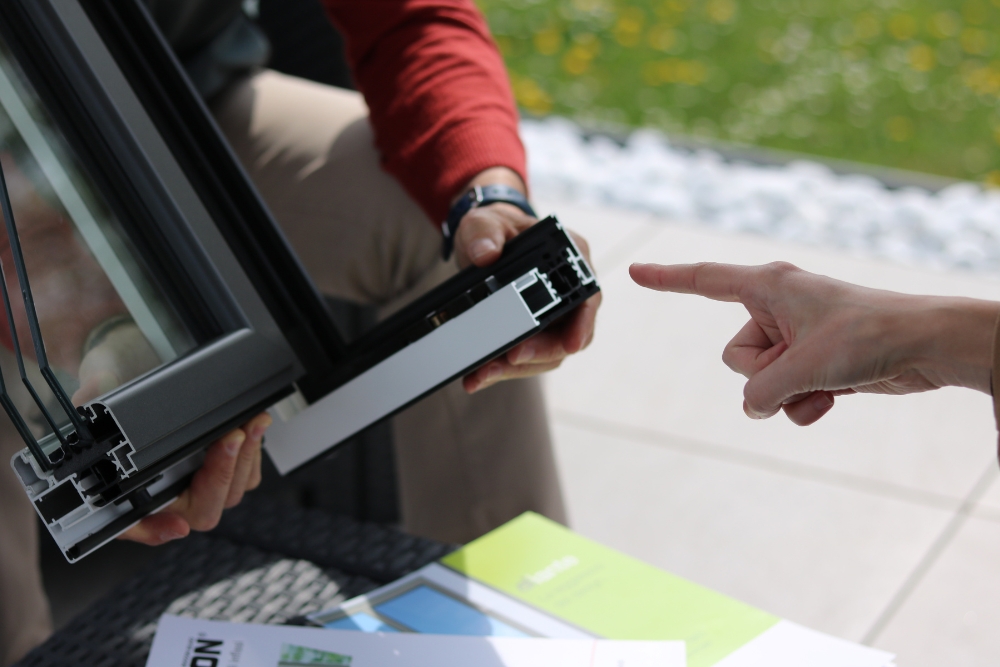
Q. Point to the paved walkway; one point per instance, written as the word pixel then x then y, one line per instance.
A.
pixel 879 524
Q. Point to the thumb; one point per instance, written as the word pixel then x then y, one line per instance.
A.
pixel 786 378
pixel 480 238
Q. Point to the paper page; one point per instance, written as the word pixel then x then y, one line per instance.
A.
pixel 186 642
pixel 788 644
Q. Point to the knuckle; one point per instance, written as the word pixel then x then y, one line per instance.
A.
pixel 782 269
pixel 729 358
pixel 697 271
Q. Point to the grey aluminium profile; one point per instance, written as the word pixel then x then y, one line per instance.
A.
pixel 452 347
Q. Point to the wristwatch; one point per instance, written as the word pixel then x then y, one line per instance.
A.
pixel 481 195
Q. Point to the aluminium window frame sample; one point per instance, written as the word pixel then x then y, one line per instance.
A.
pixel 265 338
pixel 244 362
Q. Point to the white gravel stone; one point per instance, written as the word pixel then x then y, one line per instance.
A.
pixel 806 202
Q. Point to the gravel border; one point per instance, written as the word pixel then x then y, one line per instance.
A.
pixel 806 201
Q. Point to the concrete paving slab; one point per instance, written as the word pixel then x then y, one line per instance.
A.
pixel 952 616
pixel 822 555
pixel 988 507
pixel 655 364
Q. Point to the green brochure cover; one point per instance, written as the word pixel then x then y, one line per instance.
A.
pixel 606 592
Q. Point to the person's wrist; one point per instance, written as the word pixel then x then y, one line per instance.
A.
pixel 953 341
pixel 493 176
pixel 494 187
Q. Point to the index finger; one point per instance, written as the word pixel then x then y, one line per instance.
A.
pixel 721 282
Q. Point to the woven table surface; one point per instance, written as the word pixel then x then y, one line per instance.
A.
pixel 265 563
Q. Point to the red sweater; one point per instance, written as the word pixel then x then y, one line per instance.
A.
pixel 437 91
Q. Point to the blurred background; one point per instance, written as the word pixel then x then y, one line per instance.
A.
pixel 911 84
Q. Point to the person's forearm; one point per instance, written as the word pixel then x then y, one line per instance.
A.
pixel 439 99
pixel 953 339
pixel 812 338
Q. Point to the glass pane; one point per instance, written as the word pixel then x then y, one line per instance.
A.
pixel 361 621
pixel 102 317
pixel 432 612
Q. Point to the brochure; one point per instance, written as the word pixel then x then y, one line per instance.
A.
pixel 535 578
pixel 190 642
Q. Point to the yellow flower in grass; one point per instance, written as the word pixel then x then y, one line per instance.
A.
pixel 721 11
pixel 944 25
pixel 981 79
pixel 921 58
pixel 975 12
pixel 530 95
pixel 903 27
pixel 662 37
pixel 671 7
pixel 577 60
pixel 867 26
pixel 674 70
pixel 548 41
pixel 899 128
pixel 992 179
pixel 975 41
pixel 628 28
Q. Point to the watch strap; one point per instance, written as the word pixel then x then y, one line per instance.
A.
pixel 481 195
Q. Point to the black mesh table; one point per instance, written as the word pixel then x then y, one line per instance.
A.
pixel 265 563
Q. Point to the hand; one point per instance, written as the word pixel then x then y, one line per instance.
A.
pixel 811 338
pixel 231 468
pixel 480 241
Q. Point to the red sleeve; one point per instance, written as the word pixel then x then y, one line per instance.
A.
pixel 437 91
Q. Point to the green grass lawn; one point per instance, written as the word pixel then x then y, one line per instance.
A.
pixel 912 84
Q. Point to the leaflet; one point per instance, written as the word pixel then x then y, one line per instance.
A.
pixel 188 642
pixel 534 578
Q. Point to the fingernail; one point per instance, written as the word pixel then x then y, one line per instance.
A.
pixel 232 444
pixel 170 536
pixel 822 402
pixel 481 248
pixel 526 354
